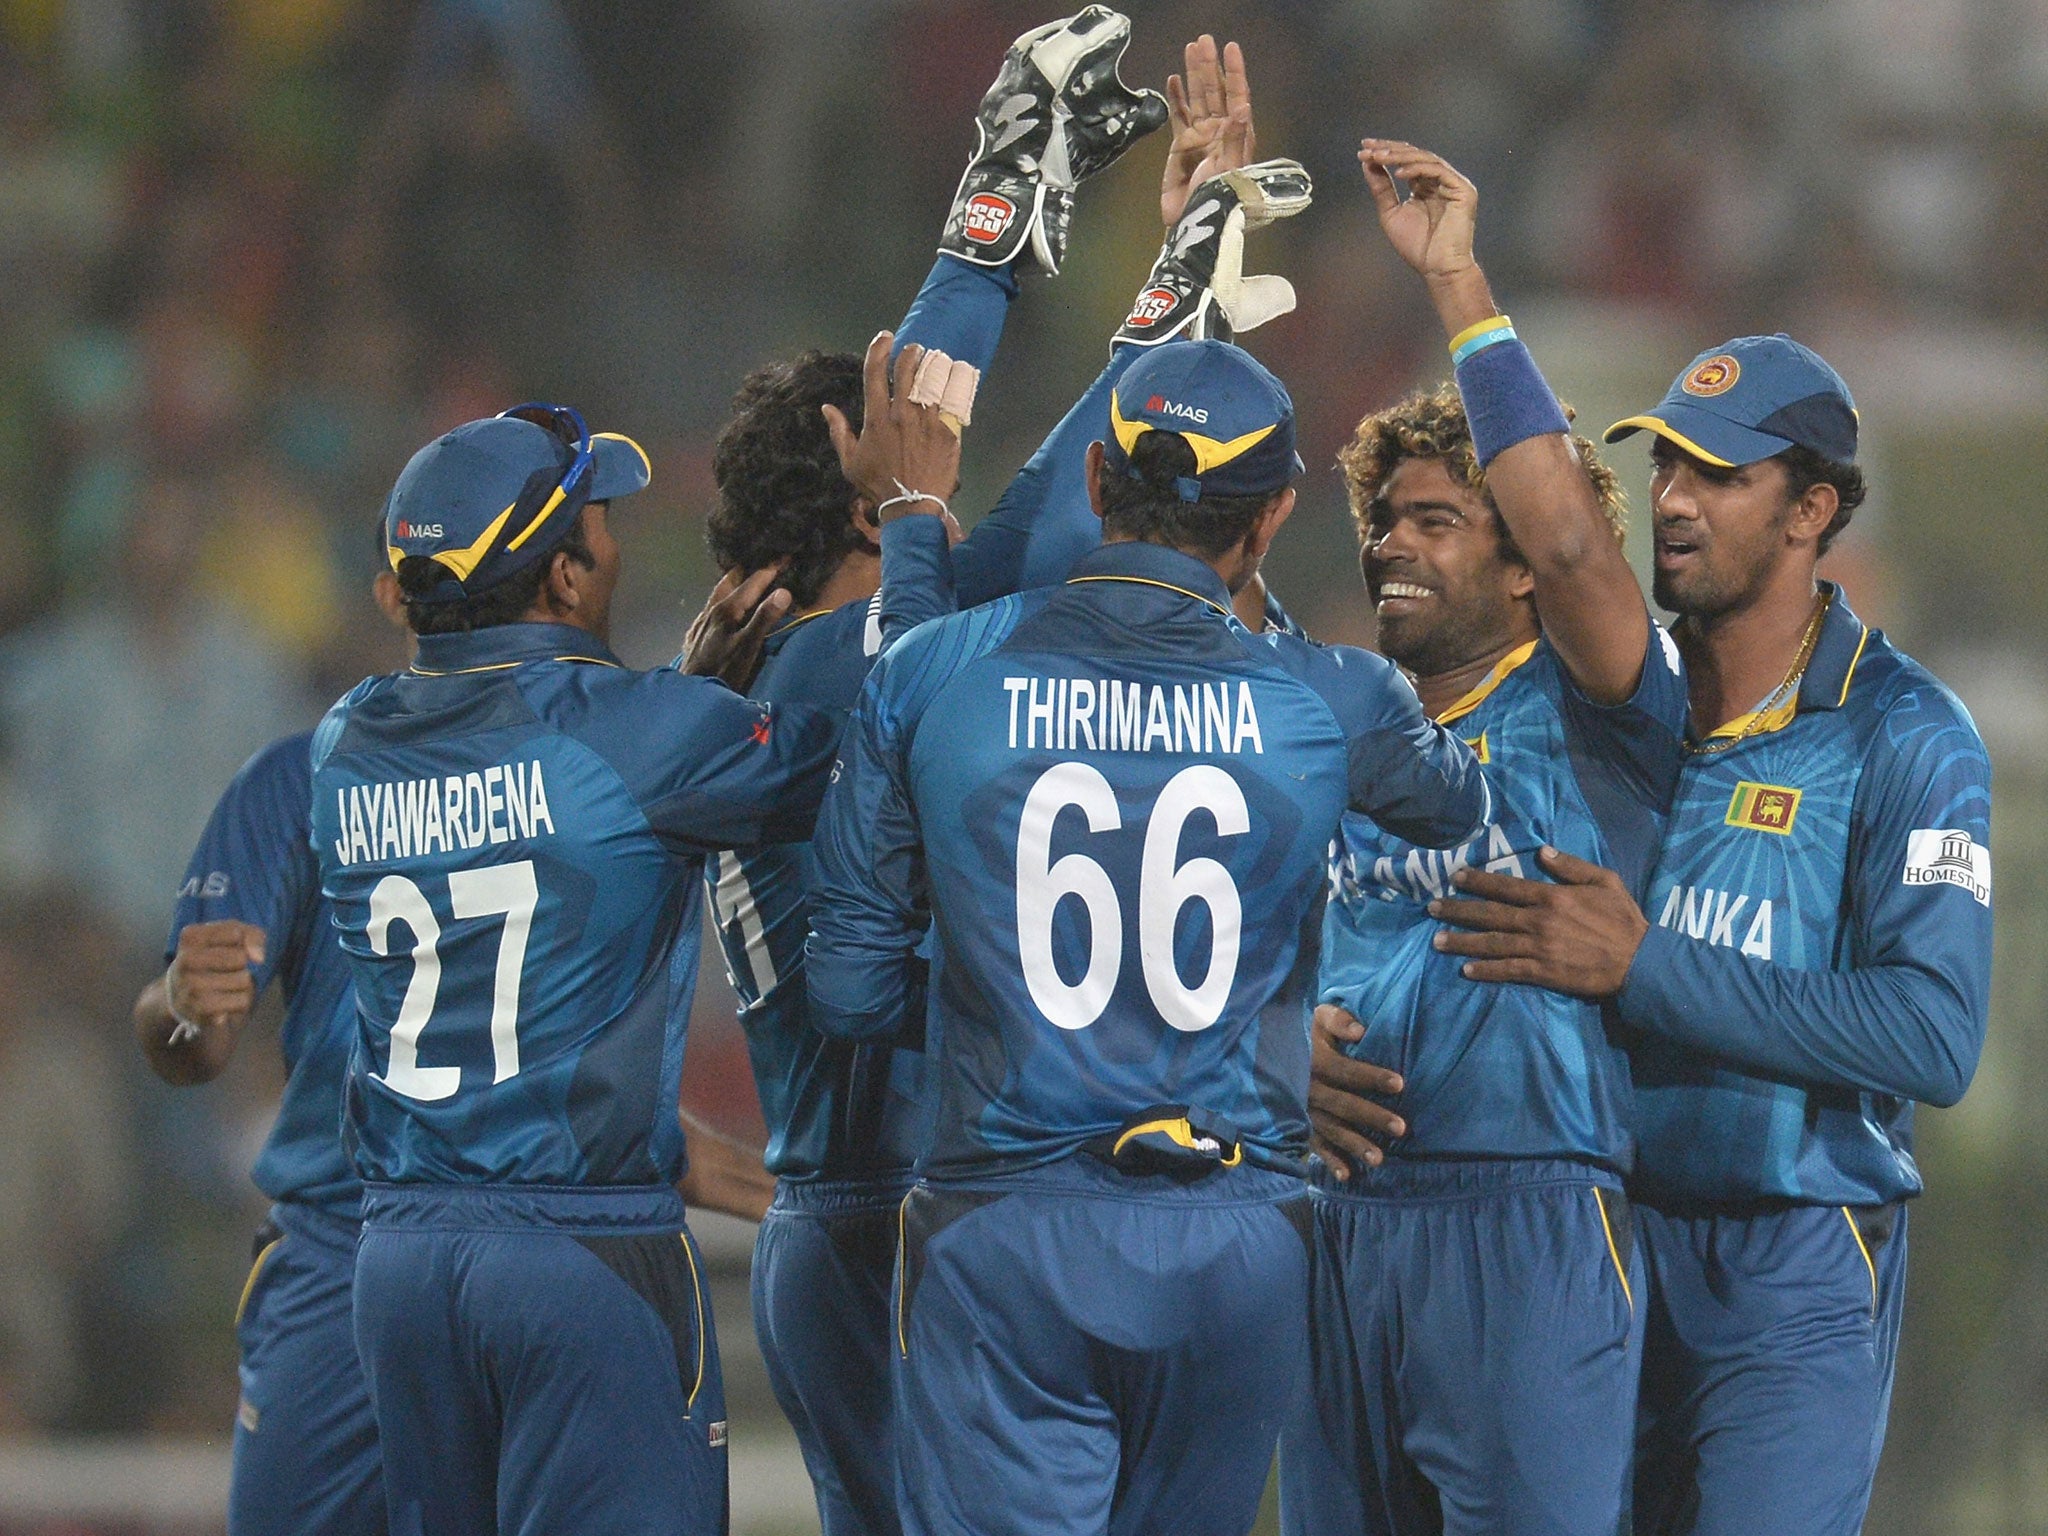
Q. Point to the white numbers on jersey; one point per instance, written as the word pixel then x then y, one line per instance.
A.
pixel 507 890
pixel 1164 887
pixel 732 902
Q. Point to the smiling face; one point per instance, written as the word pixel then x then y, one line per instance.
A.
pixel 1720 534
pixel 1446 589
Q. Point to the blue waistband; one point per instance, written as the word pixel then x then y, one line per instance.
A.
pixel 1083 1174
pixel 1456 1178
pixel 594 1209
pixel 317 1224
pixel 835 1197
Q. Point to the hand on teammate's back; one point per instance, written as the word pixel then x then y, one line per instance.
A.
pixel 906 459
pixel 726 638
pixel 1342 1120
pixel 1211 115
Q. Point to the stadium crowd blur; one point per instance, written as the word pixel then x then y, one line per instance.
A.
pixel 254 252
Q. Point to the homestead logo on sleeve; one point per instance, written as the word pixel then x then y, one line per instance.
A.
pixel 1938 857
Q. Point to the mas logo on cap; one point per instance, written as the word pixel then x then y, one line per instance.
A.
pixel 1715 376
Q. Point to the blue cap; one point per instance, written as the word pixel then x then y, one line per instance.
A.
pixel 1234 414
pixel 1751 399
pixel 495 495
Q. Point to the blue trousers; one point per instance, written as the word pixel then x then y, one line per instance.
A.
pixel 306 1461
pixel 1474 1348
pixel 1082 1350
pixel 1767 1371
pixel 823 1268
pixel 542 1362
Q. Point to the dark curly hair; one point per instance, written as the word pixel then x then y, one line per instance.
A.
pixel 781 495
pixel 1430 424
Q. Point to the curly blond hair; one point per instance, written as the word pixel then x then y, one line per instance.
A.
pixel 1430 424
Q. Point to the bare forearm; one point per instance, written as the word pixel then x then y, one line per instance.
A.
pixel 175 1053
pixel 725 1175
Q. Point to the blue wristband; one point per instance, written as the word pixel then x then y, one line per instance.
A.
pixel 1506 398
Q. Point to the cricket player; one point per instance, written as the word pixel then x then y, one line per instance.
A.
pixel 250 910
pixel 1474 1332
pixel 511 833
pixel 305 1448
pixel 844 1115
pixel 1817 958
pixel 1115 802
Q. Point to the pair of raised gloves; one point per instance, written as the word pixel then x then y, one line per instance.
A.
pixel 1057 114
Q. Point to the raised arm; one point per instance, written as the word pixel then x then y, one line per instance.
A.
pixel 867 910
pixel 1593 610
pixel 1210 195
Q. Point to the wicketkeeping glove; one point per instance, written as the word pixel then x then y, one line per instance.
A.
pixel 1057 114
pixel 1198 289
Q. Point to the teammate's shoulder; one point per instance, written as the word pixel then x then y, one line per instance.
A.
pixel 285 762
pixel 327 734
pixel 1347 677
pixel 955 640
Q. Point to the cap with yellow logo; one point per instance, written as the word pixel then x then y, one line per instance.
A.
pixel 1228 408
pixel 1750 399
pixel 493 496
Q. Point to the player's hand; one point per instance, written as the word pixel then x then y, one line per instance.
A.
pixel 209 984
pixel 1342 1120
pixel 1432 229
pixel 726 639
pixel 906 460
pixel 1210 111
pixel 1579 936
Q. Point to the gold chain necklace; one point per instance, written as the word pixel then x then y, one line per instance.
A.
pixel 1713 746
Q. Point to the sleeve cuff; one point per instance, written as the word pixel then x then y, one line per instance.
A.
pixel 1647 992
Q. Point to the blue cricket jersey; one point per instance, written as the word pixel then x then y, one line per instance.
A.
pixel 1508 1071
pixel 1116 804
pixel 1821 950
pixel 512 833
pixel 835 1109
pixel 254 865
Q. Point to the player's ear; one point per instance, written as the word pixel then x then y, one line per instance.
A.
pixel 1814 509
pixel 860 513
pixel 560 590
pixel 389 597
pixel 1095 476
pixel 1267 524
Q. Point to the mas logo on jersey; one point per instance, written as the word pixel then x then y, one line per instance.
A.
pixel 1716 376
pixel 1763 807
pixel 408 530
pixel 988 217
pixel 1938 857
pixel 1153 306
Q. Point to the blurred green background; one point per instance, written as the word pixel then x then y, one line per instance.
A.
pixel 254 252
